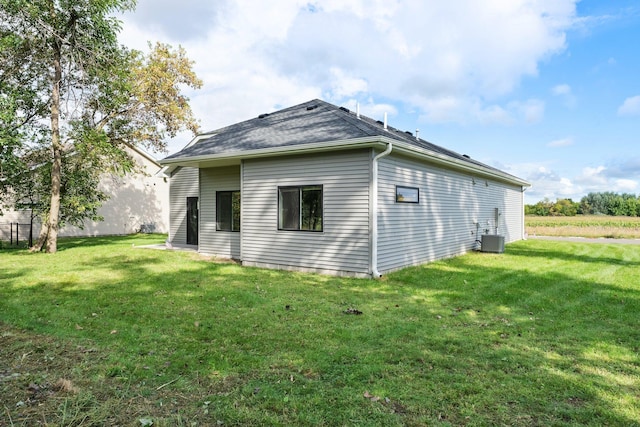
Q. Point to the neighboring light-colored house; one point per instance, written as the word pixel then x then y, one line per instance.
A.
pixel 319 188
pixel 137 202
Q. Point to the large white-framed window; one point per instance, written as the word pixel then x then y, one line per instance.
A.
pixel 227 211
pixel 300 208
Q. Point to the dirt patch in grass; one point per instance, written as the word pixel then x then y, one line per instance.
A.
pixel 47 381
pixel 35 374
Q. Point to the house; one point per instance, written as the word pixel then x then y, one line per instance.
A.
pixel 137 202
pixel 316 187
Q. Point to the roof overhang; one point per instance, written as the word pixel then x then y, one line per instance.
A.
pixel 235 157
pixel 381 142
pixel 457 164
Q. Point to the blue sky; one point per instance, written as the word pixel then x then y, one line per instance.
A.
pixel 548 90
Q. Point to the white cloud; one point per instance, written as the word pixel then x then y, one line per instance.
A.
pixel 563 142
pixel 534 172
pixel 452 61
pixel 601 179
pixel 531 111
pixel 342 85
pixel 490 114
pixel 626 167
pixel 626 185
pixel 240 81
pixel 563 89
pixel 547 182
pixel 593 176
pixel 564 92
pixel 372 109
pixel 165 20
pixel 630 107
pixel 461 110
pixel 473 110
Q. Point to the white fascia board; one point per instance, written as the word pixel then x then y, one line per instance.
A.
pixel 278 151
pixel 198 138
pixel 165 171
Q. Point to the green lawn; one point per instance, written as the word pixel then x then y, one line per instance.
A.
pixel 106 333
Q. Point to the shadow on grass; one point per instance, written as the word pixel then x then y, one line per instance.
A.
pixel 569 339
pixel 69 243
pixel 493 338
pixel 567 252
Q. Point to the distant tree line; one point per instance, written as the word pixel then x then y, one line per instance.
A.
pixel 607 203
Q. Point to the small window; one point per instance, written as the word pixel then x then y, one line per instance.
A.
pixel 300 208
pixel 228 211
pixel 407 194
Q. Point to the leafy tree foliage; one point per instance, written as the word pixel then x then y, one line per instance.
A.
pixel 19 104
pixel 561 207
pixel 607 203
pixel 72 98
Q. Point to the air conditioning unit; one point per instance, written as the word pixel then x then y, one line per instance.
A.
pixel 492 243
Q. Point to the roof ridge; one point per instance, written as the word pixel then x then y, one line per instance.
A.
pixel 350 117
pixel 313 121
pixel 259 116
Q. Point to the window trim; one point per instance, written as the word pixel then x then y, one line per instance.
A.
pixel 218 193
pixel 417 190
pixel 300 220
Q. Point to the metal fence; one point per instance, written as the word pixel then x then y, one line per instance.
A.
pixel 13 233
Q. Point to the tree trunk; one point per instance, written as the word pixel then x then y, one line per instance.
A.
pixel 49 232
pixel 42 237
pixel 56 145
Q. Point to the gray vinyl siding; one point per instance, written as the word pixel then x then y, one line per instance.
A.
pixel 442 224
pixel 343 245
pixel 220 243
pixel 183 184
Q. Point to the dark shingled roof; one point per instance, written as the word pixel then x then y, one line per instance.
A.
pixel 315 121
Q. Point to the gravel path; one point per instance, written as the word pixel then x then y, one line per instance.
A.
pixel 587 240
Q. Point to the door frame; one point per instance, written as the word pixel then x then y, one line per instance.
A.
pixel 193 220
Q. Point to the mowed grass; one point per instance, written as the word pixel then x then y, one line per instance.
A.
pixel 107 333
pixel 621 227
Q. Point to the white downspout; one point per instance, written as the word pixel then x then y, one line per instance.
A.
pixel 374 212
pixel 523 234
pixel 241 209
